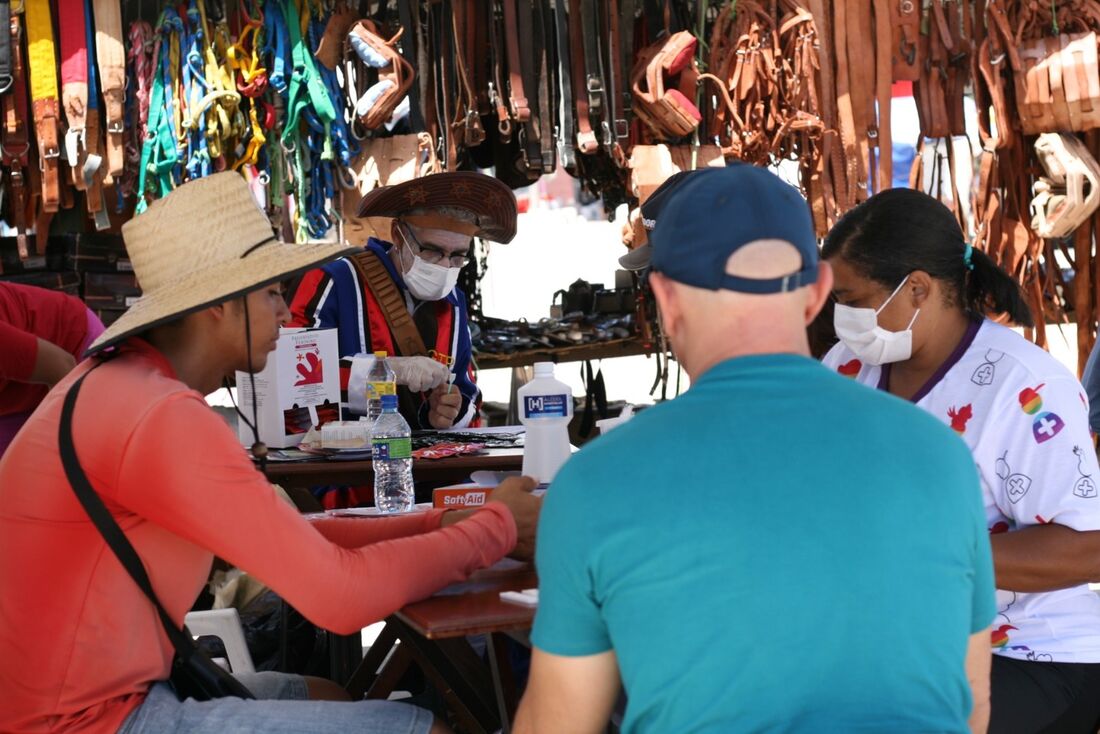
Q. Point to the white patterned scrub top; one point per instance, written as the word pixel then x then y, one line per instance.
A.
pixel 1025 418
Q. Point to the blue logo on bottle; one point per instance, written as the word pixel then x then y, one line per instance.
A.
pixel 545 406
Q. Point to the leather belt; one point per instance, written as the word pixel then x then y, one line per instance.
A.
pixel 14 136
pixel 547 83
pixel 111 58
pixel 586 137
pixel 42 56
pixel 593 69
pixel 74 86
pixel 517 95
pixel 92 171
pixel 566 123
pixel 883 94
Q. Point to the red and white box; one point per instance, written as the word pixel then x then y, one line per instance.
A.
pixel 298 388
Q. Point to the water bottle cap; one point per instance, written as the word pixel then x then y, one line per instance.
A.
pixel 544 369
pixel 381 355
pixel 389 402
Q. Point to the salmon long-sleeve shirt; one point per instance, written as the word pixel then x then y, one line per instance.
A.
pixel 80 644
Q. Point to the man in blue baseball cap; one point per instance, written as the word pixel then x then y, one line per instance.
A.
pixel 757 554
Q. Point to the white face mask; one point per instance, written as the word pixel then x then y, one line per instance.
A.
pixel 429 281
pixel 859 330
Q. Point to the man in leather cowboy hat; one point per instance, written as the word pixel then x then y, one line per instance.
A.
pixel 435 219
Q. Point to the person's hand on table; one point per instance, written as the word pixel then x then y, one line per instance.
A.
pixel 444 402
pixel 515 493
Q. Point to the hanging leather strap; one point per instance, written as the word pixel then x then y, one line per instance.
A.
pixel 14 136
pixel 530 133
pixel 517 95
pixel 586 137
pixel 861 83
pixel 547 83
pixel 74 85
pixel 883 94
pixel 6 79
pixel 566 123
pixel 593 67
pixel 620 15
pixel 846 117
pixel 374 274
pixel 409 21
pixel 93 169
pixel 42 57
pixel 111 58
pixel 467 121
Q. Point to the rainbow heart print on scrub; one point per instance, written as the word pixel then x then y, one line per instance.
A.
pixel 1046 425
pixel 999 636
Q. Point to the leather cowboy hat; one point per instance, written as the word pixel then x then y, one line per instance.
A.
pixel 205 243
pixel 490 203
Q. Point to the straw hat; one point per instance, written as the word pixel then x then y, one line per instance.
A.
pixel 489 201
pixel 205 243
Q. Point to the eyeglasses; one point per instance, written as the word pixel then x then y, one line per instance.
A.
pixel 435 255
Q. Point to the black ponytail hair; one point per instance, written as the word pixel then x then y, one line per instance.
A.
pixel 898 231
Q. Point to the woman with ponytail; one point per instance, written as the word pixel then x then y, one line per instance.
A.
pixel 915 309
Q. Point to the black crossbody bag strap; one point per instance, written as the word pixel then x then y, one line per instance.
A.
pixel 187 654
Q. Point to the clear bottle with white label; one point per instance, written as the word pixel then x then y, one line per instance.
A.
pixel 545 409
pixel 381 381
pixel 391 451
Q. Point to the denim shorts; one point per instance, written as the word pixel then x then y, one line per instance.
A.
pixel 281 708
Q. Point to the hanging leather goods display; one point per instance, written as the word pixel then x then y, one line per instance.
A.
pixel 1068 195
pixel 663 86
pixel 395 74
pixel 1058 84
pixel 906 57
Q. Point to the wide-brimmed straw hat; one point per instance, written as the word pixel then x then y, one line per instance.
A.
pixel 489 202
pixel 205 243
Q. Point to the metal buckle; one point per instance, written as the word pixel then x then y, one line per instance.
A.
pixel 595 89
pixel 5 83
pixel 20 155
pixel 622 129
pixel 116 128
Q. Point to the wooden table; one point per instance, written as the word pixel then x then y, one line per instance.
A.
pixel 575 353
pixel 360 472
pixel 432 633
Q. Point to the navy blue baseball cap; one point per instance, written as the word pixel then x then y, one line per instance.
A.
pixel 714 212
pixel 638 258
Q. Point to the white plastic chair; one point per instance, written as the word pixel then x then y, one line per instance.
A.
pixel 225 624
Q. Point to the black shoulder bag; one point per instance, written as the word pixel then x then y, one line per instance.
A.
pixel 193 674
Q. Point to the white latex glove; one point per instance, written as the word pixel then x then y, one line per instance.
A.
pixel 419 374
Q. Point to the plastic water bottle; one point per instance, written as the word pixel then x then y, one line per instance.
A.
pixel 391 450
pixel 546 407
pixel 381 381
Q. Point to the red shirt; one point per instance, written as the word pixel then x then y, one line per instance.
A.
pixel 79 643
pixel 27 314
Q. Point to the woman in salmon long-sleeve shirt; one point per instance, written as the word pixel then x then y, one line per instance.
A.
pixel 81 648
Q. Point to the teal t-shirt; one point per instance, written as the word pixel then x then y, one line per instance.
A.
pixel 778 549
